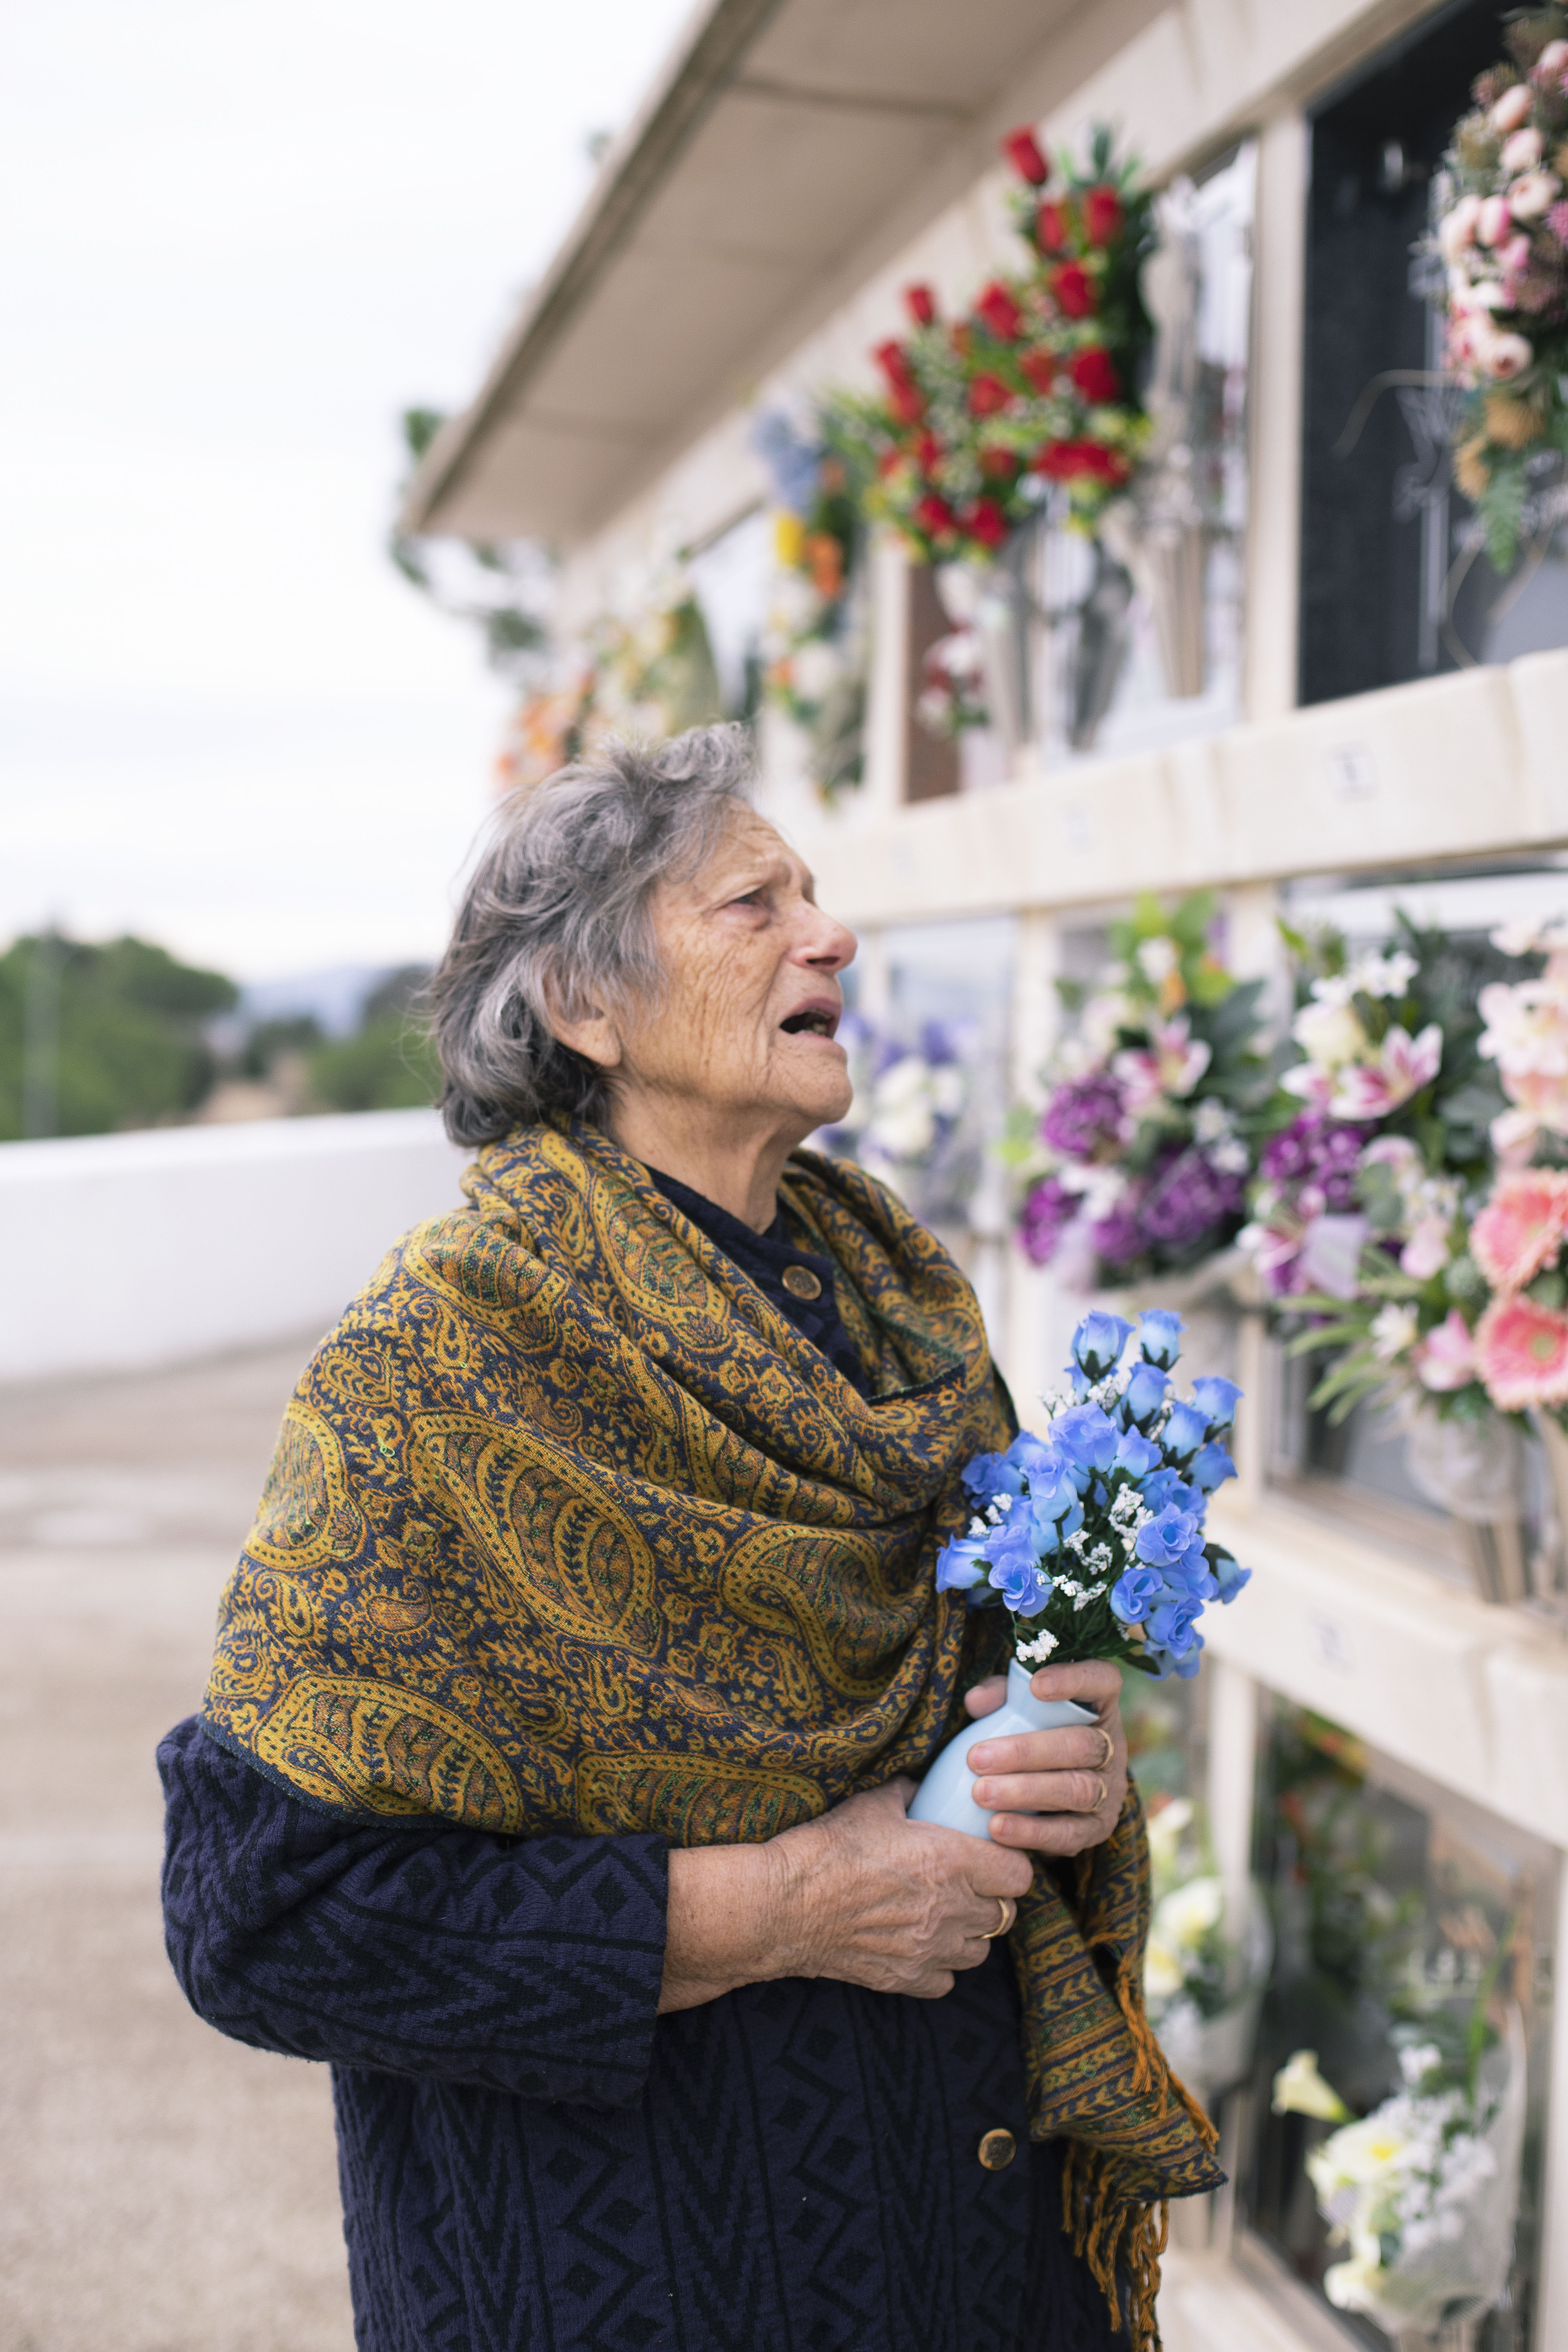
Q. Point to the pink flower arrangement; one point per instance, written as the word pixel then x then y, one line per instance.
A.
pixel 1402 1066
pixel 1445 1359
pixel 1502 267
pixel 1170 1065
pixel 1140 1158
pixel 1527 1037
pixel 1521 1354
pixel 1522 1228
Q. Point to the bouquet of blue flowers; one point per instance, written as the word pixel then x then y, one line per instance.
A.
pixel 1092 1536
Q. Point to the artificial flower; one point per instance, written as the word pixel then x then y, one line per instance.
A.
pixel 1507 356
pixel 1534 193
pixel 1512 108
pixel 1521 1354
pixel 1495 222
pixel 1300 2090
pixel 1052 226
pixel 1103 215
pixel 1000 311
pixel 1022 150
pixel 1074 290
pixel 1189 1913
pixel 1403 1065
pixel 1445 1358
pixel 1393 1328
pixel 1172 1064
pixel 1094 372
pixel 1329 1031
pixel 1522 1227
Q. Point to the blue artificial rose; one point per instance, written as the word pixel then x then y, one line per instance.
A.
pixel 1163 1539
pixel 961 1563
pixel 1053 1533
pixel 1089 1439
pixel 1134 1594
pixel 1185 1666
pixel 1097 1343
pixel 1229 1576
pixel 1213 1467
pixel 1021 1584
pixel 1013 1540
pixel 1160 1337
pixel 1052 1488
pixel 1218 1399
pixel 1052 1507
pixel 1191 1573
pixel 1171 1623
pixel 1136 1453
pixel 1167 1489
pixel 1185 1429
pixel 1143 1395
pixel 990 1474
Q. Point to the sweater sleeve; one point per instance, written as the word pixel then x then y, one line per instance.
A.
pixel 531 1966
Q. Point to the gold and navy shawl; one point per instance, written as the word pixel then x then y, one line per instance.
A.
pixel 567 1529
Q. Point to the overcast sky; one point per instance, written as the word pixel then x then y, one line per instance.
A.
pixel 240 241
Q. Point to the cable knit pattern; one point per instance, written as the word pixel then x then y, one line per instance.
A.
pixel 532 2163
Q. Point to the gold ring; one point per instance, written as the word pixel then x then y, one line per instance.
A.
pixel 1009 1913
pixel 1104 1797
pixel 1110 1746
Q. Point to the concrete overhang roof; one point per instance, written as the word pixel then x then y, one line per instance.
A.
pixel 781 132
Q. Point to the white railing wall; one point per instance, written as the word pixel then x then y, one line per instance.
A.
pixel 118 1251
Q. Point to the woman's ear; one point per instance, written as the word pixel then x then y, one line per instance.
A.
pixel 591 1032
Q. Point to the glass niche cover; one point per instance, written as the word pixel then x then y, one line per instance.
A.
pixel 1391 2163
pixel 1081 647
pixel 927 1033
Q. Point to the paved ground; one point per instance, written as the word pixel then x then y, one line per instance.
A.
pixel 161 2189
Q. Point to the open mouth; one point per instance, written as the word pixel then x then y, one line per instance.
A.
pixel 814 1022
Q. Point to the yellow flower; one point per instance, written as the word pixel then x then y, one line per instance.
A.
pixel 1162 1974
pixel 789 540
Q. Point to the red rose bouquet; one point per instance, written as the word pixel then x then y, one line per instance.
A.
pixel 1037 383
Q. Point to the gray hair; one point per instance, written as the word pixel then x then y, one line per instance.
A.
pixel 559 900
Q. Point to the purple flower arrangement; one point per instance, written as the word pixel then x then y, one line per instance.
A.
pixel 1146 1132
pixel 1092 1537
pixel 1085 1117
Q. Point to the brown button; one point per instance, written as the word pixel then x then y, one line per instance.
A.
pixel 997 2150
pixel 801 1283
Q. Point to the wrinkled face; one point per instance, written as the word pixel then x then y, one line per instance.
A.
pixel 746 1024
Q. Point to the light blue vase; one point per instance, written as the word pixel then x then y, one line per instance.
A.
pixel 946 1795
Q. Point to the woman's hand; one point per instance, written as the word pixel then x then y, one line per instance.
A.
pixel 861 1894
pixel 1054 1791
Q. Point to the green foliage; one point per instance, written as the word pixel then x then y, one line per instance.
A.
pixel 389 1064
pixel 514 635
pixel 270 1039
pixel 128 1019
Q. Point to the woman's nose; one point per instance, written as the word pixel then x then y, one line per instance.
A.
pixel 834 944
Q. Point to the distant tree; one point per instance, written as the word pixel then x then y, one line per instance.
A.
pixel 97 1038
pixel 298 1032
pixel 389 1064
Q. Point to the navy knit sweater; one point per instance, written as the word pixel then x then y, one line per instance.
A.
pixel 533 2160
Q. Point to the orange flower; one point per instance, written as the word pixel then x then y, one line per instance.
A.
pixel 827 563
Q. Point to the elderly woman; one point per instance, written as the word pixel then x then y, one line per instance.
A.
pixel 552 1777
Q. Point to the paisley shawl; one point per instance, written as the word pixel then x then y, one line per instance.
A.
pixel 567 1529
